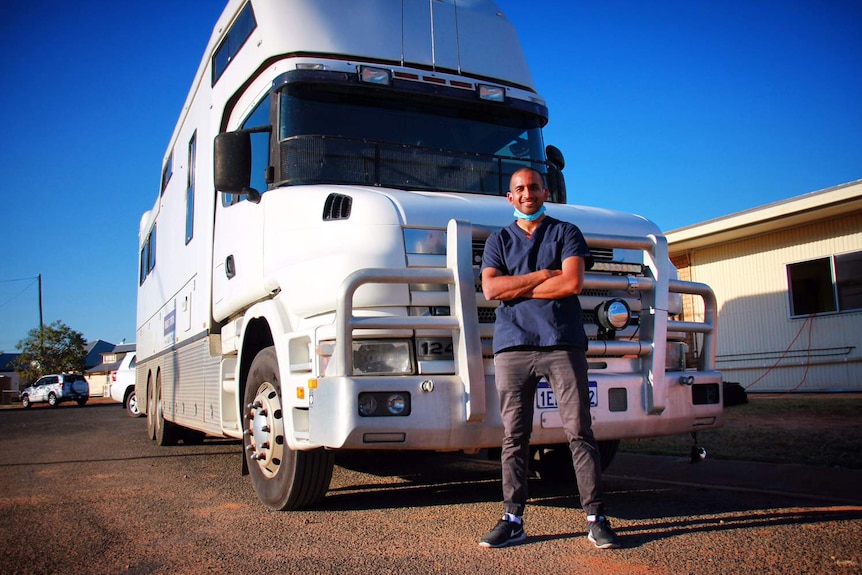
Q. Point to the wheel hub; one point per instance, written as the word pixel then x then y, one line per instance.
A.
pixel 265 430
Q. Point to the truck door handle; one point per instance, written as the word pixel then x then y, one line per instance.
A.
pixel 229 267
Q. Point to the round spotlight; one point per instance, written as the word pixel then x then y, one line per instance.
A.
pixel 396 404
pixel 613 314
pixel 367 404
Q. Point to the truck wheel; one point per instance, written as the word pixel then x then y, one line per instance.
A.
pixel 52 399
pixel 151 409
pixel 554 462
pixel 608 450
pixel 25 401
pixel 284 479
pixel 132 404
pixel 81 402
pixel 166 433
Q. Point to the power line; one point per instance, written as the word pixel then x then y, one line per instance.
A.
pixel 19 279
pixel 28 286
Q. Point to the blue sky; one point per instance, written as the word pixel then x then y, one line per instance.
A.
pixel 681 111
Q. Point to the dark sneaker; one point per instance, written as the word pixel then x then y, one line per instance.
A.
pixel 504 533
pixel 601 534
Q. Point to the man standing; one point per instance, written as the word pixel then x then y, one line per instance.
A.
pixel 535 268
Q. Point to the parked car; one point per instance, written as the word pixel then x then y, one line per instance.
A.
pixel 123 385
pixel 57 388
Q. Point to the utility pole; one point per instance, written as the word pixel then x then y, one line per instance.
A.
pixel 41 322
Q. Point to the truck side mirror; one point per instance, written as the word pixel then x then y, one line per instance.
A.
pixel 555 156
pixel 232 162
pixel 556 182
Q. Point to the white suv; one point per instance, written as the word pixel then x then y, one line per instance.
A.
pixel 56 389
pixel 123 385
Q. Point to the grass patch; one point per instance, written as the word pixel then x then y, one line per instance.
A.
pixel 810 430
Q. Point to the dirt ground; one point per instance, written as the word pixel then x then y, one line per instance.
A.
pixel 809 429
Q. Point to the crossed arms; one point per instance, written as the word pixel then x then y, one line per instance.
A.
pixel 540 284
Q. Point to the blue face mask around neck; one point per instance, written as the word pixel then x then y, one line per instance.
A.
pixel 530 218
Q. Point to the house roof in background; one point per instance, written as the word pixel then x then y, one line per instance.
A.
pixel 799 210
pixel 6 359
pixel 95 349
pixel 124 348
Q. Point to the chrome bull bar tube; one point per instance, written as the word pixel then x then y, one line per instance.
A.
pixel 466 343
pixel 467 347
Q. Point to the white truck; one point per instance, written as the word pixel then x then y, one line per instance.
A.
pixel 324 203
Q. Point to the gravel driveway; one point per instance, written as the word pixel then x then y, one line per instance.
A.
pixel 84 491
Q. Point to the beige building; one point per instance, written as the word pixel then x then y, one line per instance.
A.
pixel 788 282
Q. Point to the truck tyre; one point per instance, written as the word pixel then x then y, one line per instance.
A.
pixel 52 399
pixel 81 401
pixel 554 462
pixel 25 401
pixel 608 450
pixel 151 409
pixel 284 479
pixel 166 432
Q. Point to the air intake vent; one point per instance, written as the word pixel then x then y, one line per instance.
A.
pixel 602 254
pixel 337 207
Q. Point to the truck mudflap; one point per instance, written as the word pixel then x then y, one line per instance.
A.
pixel 463 411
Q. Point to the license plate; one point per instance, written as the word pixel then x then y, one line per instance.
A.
pixel 431 348
pixel 545 395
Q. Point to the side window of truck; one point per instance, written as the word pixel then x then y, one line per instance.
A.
pixel 236 36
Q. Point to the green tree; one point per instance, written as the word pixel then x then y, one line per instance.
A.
pixel 55 348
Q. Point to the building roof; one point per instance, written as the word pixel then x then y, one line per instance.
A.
pixel 796 211
pixel 6 360
pixel 124 348
pixel 95 349
pixel 107 367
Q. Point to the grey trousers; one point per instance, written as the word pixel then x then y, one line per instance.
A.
pixel 517 374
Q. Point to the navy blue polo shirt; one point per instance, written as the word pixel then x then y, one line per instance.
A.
pixel 528 322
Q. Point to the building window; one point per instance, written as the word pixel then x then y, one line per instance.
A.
pixel 848 278
pixel 825 285
pixel 190 190
pixel 236 36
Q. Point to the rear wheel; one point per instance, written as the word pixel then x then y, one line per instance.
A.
pixel 284 479
pixel 607 451
pixel 52 399
pixel 25 401
pixel 555 461
pixel 81 402
pixel 151 409
pixel 166 433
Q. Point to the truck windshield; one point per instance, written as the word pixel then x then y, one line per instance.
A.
pixel 348 134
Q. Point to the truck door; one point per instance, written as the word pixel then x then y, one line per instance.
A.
pixel 238 241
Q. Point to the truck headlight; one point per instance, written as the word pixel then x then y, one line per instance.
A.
pixel 384 404
pixel 613 314
pixel 389 357
pixel 424 241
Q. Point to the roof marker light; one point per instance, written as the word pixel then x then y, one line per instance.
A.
pixel 492 93
pixel 377 76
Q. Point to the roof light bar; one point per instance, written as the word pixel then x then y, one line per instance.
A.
pixel 617 267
